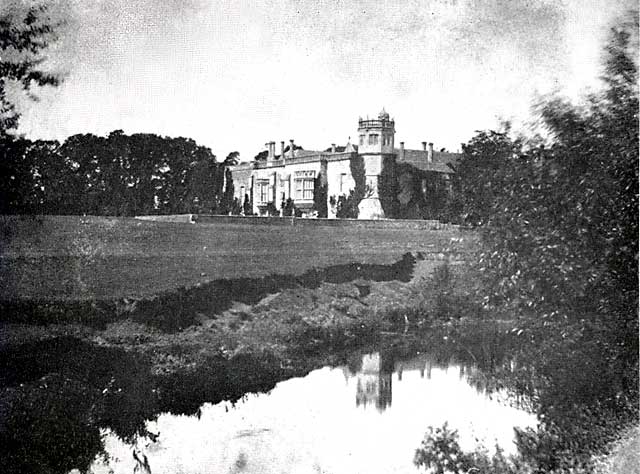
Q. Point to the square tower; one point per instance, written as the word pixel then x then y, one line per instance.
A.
pixel 375 146
pixel 376 135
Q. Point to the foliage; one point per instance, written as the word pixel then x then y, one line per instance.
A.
pixel 560 222
pixel 120 175
pixel 227 199
pixel 347 206
pixel 483 172
pixel 25 34
pixel 570 375
pixel 19 192
pixel 441 453
pixel 421 195
pixel 271 210
pixel 232 159
pixel 358 173
pixel 388 187
pixel 320 195
pixel 289 209
pixel 247 207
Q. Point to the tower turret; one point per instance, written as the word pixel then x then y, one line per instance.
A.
pixel 376 148
pixel 376 135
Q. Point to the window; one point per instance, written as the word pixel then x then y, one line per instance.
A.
pixel 343 183
pixel 361 139
pixel 304 185
pixel 373 139
pixel 263 190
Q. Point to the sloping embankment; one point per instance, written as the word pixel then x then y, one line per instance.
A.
pixel 179 308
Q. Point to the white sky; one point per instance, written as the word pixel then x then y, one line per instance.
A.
pixel 234 74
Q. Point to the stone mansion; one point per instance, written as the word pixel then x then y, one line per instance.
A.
pixel 296 174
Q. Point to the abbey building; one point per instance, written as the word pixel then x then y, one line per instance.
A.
pixel 392 181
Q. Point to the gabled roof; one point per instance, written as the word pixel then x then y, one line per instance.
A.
pixel 348 148
pixel 339 149
pixel 303 153
pixel 443 161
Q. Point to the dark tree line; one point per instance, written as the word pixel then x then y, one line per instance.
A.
pixel 87 174
pixel 121 175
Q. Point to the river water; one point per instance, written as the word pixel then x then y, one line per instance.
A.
pixel 368 417
pixel 68 405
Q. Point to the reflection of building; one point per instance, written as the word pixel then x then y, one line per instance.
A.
pixel 423 362
pixel 374 382
pixel 391 177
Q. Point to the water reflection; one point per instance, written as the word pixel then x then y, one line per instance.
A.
pixel 68 404
pixel 374 382
pixel 311 424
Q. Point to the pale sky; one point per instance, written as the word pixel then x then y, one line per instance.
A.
pixel 234 74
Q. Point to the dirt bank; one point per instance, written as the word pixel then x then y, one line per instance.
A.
pixel 288 318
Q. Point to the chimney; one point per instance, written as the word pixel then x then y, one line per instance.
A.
pixel 430 153
pixel 292 149
pixel 270 150
pixel 401 151
pixel 282 150
pixel 333 148
pixel 424 146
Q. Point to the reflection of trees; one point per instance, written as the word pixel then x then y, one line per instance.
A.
pixel 578 385
pixel 57 395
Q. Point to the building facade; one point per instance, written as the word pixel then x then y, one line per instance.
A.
pixel 389 178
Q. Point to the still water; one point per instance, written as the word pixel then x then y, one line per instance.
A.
pixel 367 417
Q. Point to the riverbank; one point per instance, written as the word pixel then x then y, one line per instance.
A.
pixel 269 330
pixel 341 306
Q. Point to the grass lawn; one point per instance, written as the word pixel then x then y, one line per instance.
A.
pixel 80 258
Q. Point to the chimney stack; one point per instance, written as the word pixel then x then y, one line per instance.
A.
pixel 269 154
pixel 292 149
pixel 282 150
pixel 424 146
pixel 402 151
pixel 333 148
pixel 430 153
pixel 272 148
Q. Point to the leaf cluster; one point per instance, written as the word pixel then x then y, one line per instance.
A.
pixel 25 36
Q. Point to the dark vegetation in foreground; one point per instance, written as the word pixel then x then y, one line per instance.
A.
pixel 560 251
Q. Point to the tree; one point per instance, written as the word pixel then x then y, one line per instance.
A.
pixel 320 196
pixel 483 172
pixel 232 159
pixel 560 223
pixel 24 37
pixel 227 201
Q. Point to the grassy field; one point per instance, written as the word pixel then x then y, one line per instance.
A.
pixel 81 258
